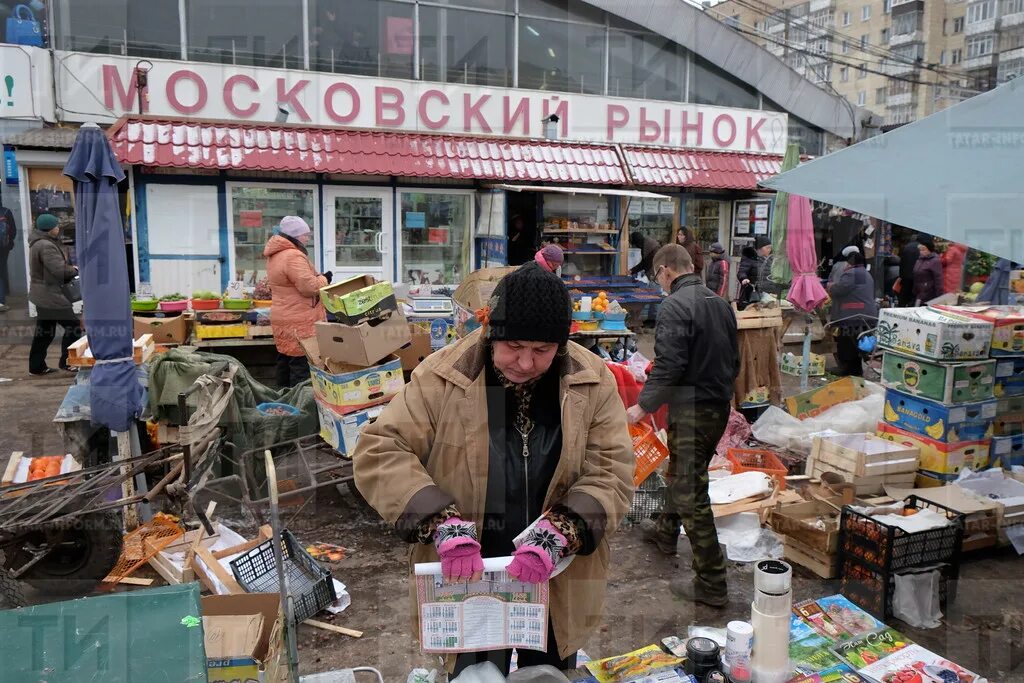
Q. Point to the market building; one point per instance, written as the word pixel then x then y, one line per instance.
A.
pixel 416 152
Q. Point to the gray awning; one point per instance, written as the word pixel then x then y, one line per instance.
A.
pixel 43 138
pixel 957 174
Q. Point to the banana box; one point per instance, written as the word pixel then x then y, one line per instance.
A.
pixel 342 431
pixel 938 457
pixel 1009 378
pixel 348 388
pixel 1008 322
pixel 947 424
pixel 1009 419
pixel 943 382
pixel 934 334
pixel 1007 451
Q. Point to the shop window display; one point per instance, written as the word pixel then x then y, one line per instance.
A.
pixel 653 218
pixel 366 37
pixel 249 32
pixel 435 243
pixel 255 212
pixel 141 28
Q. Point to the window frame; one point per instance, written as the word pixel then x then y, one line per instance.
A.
pixel 846 19
pixel 468 237
pixel 988 40
pixel 981 11
pixel 315 227
pixel 865 13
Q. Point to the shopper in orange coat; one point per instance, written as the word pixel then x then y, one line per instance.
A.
pixel 953 266
pixel 295 291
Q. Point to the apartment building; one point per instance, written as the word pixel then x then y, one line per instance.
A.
pixel 908 58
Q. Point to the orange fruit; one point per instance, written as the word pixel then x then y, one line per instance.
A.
pixel 602 295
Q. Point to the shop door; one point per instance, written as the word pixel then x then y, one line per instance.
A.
pixel 185 251
pixel 359 231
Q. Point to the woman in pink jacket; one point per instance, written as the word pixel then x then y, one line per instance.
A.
pixel 295 291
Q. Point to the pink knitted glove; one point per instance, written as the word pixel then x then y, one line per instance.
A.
pixel 535 558
pixel 459 550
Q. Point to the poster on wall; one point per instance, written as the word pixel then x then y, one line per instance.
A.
pixel 751 217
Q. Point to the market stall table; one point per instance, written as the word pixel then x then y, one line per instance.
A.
pixel 258 354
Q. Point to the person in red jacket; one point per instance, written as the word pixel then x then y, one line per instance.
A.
pixel 953 266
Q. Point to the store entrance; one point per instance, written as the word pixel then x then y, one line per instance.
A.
pixel 522 227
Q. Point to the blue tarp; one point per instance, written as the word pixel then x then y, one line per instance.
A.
pixel 957 174
pixel 114 392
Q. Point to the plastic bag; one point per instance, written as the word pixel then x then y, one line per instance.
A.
pixel 486 672
pixel 637 365
pixel 779 428
pixel 916 599
pixel 538 674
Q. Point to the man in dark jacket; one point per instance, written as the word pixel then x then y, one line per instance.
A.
pixel 928 280
pixel 854 310
pixel 695 368
pixel 648 246
pixel 8 234
pixel 908 259
pixel 49 270
pixel 718 272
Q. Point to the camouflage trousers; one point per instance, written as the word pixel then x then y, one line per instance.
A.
pixel 693 434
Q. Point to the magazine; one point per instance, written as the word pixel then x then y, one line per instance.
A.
pixel 872 647
pixel 851 618
pixel 800 629
pixel 813 614
pixel 634 666
pixel 812 654
pixel 915 664
pixel 837 674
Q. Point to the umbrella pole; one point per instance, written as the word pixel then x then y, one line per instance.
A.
pixel 287 604
pixel 806 367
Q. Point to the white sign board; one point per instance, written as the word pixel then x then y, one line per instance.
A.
pixel 104 88
pixel 26 89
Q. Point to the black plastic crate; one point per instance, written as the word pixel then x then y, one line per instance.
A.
pixel 873 591
pixel 312 587
pixel 887 549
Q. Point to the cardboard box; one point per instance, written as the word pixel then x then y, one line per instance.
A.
pixel 1009 417
pixel 342 431
pixel 792 364
pixel 1007 321
pixel 170 330
pixel 823 565
pixel 943 382
pixel 348 388
pixel 1007 451
pixel 934 334
pixel 939 457
pixel 440 328
pixel 947 424
pixel 230 624
pixel 1009 379
pixel 864 455
pixel 236 331
pixel 816 401
pixel 814 524
pixel 931 480
pixel 420 346
pixel 981 516
pixel 363 344
pixel 357 299
pixel 472 294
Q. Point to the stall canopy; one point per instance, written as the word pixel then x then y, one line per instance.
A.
pixel 956 174
pixel 633 194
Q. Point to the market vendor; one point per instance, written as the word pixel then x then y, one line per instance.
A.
pixel 510 426
pixel 295 293
pixel 550 257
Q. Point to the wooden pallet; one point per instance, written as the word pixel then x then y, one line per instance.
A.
pixel 78 353
pixel 755 318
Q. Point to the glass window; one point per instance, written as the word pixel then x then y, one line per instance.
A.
pixel 865 12
pixel 646 66
pixel 1012 6
pixel 435 237
pixel 141 28
pixel 461 46
pixel 846 18
pixel 712 85
pixel 255 212
pixel 958 25
pixel 560 56
pixel 881 95
pixel 560 9
pixel 979 47
pixel 844 73
pixel 905 23
pixel 810 139
pixel 249 32
pixel 366 37
pixel 981 11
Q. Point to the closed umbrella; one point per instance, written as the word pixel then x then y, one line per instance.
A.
pixel 782 271
pixel 997 288
pixel 115 395
pixel 805 292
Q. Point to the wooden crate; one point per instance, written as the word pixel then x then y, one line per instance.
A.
pixel 864 486
pixel 822 564
pixel 79 357
pixel 864 455
pixel 16 461
pixel 789 521
pixel 755 318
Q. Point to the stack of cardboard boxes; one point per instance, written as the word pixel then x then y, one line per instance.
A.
pixel 354 362
pixel 940 383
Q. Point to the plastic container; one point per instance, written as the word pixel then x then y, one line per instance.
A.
pixel 261 303
pixel 174 306
pixel 265 408
pixel 581 315
pixel 589 325
pixel 145 305
pixel 758 460
pixel 205 304
pixel 311 585
pixel 648 449
pixel 237 304
pixel 873 591
pixel 701 657
pixel 607 324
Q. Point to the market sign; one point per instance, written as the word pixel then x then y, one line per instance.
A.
pixel 105 89
pixel 25 83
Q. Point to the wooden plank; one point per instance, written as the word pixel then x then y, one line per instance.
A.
pixel 265 534
pixel 862 468
pixel 745 505
pixel 166 569
pixel 334 629
pixel 825 566
pixel 132 581
pixel 214 566
pixel 12 467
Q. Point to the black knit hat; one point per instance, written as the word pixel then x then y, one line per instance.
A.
pixel 530 304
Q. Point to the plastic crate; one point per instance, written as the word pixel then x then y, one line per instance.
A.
pixel 873 591
pixel 648 449
pixel 758 460
pixel 312 587
pixel 887 548
pixel 648 499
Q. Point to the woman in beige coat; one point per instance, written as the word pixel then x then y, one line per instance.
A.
pixel 512 427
